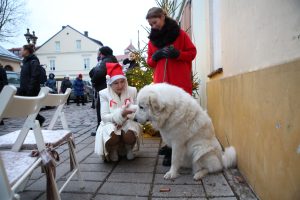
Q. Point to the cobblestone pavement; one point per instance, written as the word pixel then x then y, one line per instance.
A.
pixel 138 179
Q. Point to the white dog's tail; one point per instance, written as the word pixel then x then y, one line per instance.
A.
pixel 229 157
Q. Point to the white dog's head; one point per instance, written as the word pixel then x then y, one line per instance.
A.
pixel 151 106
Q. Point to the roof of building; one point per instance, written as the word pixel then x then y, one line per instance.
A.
pixel 130 47
pixel 4 53
pixel 121 57
pixel 92 39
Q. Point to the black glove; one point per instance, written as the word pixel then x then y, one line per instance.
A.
pixel 159 54
pixel 172 52
pixel 126 61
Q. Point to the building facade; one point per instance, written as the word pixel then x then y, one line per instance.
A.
pixel 69 52
pixel 9 60
pixel 248 64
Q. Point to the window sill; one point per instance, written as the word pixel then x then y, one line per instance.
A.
pixel 215 72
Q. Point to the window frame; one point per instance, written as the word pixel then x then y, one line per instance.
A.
pixel 78 44
pixel 57 46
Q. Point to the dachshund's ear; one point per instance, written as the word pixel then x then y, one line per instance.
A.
pixel 155 102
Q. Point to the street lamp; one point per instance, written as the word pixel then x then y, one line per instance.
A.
pixel 27 36
pixel 30 37
pixel 34 38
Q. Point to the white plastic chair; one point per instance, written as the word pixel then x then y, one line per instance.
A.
pixel 18 166
pixel 52 138
pixel 58 100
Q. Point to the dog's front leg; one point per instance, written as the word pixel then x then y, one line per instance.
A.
pixel 177 157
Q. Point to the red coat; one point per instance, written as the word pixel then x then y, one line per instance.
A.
pixel 179 70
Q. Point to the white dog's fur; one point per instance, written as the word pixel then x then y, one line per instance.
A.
pixel 185 127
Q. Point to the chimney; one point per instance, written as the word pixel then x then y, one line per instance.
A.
pixel 86 33
pixel 63 27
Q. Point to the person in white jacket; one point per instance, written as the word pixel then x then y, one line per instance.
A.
pixel 117 133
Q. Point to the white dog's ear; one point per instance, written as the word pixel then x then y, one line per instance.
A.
pixel 155 103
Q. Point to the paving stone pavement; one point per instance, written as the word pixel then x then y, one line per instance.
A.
pixel 141 178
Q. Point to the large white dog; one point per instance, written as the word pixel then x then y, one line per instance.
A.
pixel 185 127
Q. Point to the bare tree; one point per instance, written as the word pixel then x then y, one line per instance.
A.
pixel 12 15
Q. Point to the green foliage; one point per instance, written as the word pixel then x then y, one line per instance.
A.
pixel 142 74
pixel 169 6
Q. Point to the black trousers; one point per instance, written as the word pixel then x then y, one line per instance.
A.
pixel 78 99
pixel 98 107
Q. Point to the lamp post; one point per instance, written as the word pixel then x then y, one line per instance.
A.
pixel 30 37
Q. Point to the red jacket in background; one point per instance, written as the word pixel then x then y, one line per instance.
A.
pixel 179 70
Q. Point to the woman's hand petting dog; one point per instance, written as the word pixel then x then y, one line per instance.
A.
pixel 126 112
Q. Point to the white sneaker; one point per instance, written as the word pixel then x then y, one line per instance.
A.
pixel 114 156
pixel 129 155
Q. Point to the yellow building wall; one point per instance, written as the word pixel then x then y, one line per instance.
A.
pixel 15 65
pixel 259 114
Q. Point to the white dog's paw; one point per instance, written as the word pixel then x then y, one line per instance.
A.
pixel 171 175
pixel 200 174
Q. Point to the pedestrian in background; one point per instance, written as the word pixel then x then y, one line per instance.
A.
pixel 79 90
pixel 30 76
pixel 3 82
pixel 51 83
pixel 131 61
pixel 98 75
pixel 65 84
pixel 170 54
pixel 3 77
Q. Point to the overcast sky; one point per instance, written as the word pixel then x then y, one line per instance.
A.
pixel 113 22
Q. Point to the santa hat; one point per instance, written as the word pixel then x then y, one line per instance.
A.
pixel 114 72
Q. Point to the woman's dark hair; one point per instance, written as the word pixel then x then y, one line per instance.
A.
pixel 155 12
pixel 29 47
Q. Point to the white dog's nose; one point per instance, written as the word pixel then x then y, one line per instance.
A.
pixel 135 119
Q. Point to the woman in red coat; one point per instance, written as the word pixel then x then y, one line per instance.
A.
pixel 170 51
pixel 170 54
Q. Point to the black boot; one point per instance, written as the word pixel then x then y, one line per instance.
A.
pixel 165 150
pixel 167 160
pixel 41 119
pixel 93 133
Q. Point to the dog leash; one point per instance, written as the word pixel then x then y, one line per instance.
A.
pixel 165 70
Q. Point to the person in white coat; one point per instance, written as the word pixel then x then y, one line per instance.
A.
pixel 117 133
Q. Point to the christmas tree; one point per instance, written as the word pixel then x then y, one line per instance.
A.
pixel 140 75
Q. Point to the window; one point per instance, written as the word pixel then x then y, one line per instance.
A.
pixel 57 46
pixel 52 65
pixel 78 44
pixel 86 63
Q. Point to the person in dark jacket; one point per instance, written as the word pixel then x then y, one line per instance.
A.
pixel 79 90
pixel 98 75
pixel 3 82
pixel 30 76
pixel 3 77
pixel 51 83
pixel 65 84
pixel 131 61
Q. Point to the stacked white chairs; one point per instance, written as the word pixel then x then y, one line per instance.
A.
pixel 25 138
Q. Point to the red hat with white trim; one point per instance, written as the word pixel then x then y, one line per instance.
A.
pixel 114 72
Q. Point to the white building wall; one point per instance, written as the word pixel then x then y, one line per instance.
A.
pixel 258 33
pixel 201 38
pixel 68 59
